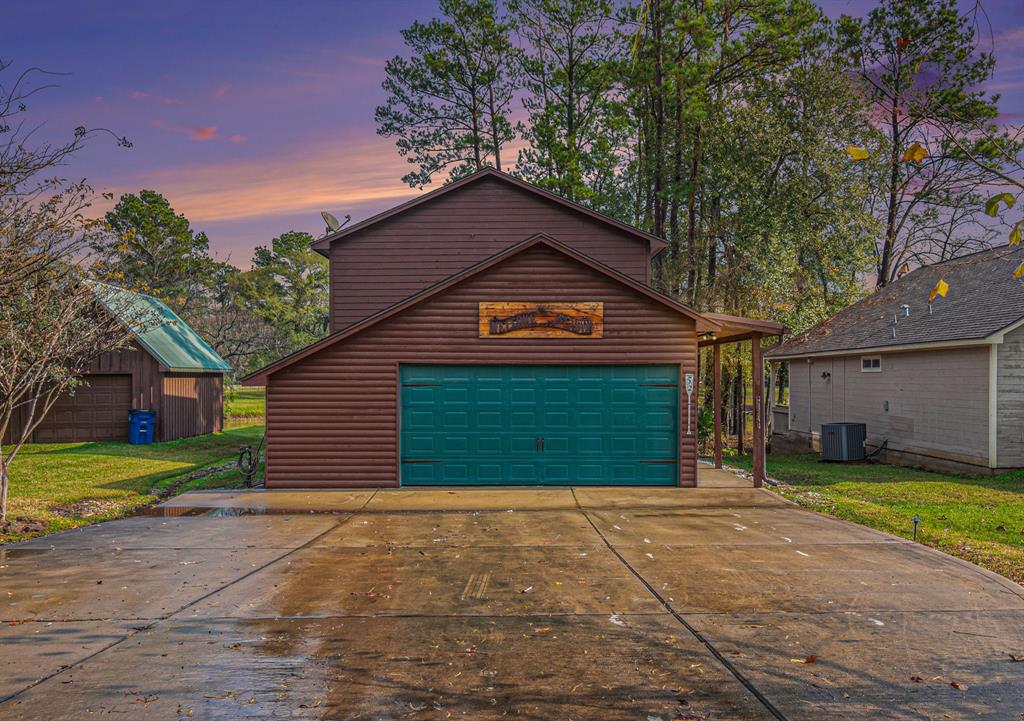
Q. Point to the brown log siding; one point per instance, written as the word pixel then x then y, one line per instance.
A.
pixel 193 404
pixel 396 258
pixel 333 417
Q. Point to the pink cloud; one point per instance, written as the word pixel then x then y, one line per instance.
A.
pixel 205 132
pixel 220 91
pixel 162 99
pixel 199 133
pixel 302 179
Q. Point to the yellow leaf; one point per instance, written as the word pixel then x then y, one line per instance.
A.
pixel 856 152
pixel 904 269
pixel 916 152
pixel 1019 273
pixel 941 288
pixel 1015 234
pixel 992 204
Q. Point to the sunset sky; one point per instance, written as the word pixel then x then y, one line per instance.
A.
pixel 251 117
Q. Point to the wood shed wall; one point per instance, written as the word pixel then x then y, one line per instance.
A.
pixel 333 417
pixel 398 257
pixel 193 404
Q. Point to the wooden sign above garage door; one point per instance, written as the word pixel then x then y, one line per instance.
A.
pixel 516 319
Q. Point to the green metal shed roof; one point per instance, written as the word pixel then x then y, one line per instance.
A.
pixel 160 331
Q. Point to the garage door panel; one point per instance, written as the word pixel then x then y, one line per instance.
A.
pixel 96 411
pixel 600 425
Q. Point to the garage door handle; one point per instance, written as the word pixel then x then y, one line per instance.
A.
pixel 540 443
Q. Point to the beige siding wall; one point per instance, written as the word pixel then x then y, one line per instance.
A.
pixel 937 400
pixel 1010 385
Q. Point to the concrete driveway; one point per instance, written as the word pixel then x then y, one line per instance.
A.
pixel 479 604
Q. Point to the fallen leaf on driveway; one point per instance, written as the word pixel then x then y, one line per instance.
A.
pixel 526 590
pixel 1015 658
pixel 917 679
pixel 542 629
pixel 959 686
pixel 810 659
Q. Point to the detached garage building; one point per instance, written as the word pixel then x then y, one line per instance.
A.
pixel 490 332
pixel 169 369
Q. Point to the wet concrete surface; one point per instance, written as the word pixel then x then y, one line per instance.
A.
pixel 666 604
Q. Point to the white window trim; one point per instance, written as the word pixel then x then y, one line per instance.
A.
pixel 870 358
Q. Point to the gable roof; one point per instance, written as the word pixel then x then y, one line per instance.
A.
pixel 160 331
pixel 322 245
pixel 703 324
pixel 983 299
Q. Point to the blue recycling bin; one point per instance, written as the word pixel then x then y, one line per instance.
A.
pixel 141 427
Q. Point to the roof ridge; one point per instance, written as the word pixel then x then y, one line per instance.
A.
pixel 982 301
pixel 322 244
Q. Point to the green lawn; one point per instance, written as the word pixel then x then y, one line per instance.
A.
pixel 71 484
pixel 978 518
pixel 244 405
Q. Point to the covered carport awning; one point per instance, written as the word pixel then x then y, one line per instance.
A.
pixel 735 329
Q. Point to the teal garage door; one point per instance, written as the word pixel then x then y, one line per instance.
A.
pixel 539 425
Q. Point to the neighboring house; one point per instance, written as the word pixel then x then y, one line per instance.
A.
pixel 942 389
pixel 169 369
pixel 490 332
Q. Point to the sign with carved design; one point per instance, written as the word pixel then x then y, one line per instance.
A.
pixel 541 320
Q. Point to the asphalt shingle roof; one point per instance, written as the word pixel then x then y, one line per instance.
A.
pixel 160 331
pixel 983 298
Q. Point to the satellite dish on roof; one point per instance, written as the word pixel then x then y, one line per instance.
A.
pixel 332 222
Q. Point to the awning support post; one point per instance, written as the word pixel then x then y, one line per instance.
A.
pixel 717 402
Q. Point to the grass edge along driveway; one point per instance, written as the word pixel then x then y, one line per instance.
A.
pixel 977 518
pixel 65 485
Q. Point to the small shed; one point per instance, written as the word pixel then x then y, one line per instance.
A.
pixel 168 369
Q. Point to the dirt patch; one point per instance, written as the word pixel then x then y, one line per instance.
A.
pixel 86 507
pixel 21 524
pixel 172 490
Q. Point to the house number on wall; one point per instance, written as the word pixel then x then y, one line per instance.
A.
pixel 689 402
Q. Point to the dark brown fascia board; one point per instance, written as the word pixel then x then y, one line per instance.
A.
pixel 754 325
pixel 703 324
pixel 323 245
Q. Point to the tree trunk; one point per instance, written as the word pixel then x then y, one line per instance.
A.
pixel 691 217
pixel 4 481
pixel 659 121
pixel 494 129
pixel 889 243
pixel 781 379
pixel 741 406
pixel 677 160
